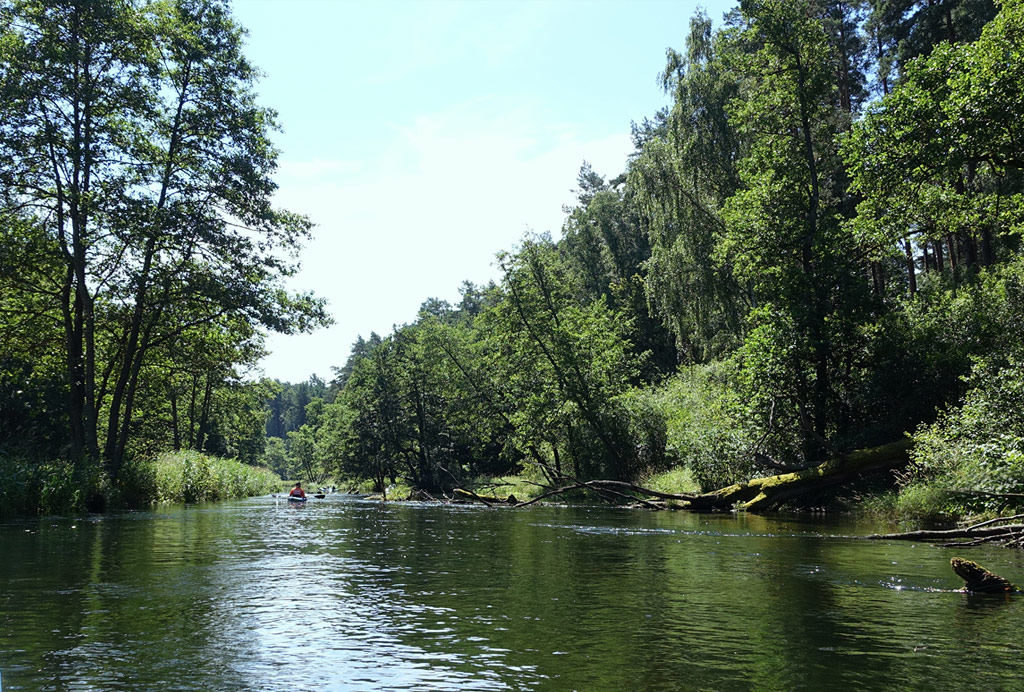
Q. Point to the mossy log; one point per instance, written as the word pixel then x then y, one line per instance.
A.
pixel 763 494
pixel 977 579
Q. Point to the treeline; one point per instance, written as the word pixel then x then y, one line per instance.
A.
pixel 141 259
pixel 816 248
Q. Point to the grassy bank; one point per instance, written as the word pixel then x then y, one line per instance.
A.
pixel 49 487
pixel 52 487
pixel 185 477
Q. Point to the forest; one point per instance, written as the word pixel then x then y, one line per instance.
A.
pixel 813 254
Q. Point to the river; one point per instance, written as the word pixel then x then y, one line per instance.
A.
pixel 346 594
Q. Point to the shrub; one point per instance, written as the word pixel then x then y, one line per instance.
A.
pixel 44 487
pixel 704 426
pixel 188 476
pixel 977 448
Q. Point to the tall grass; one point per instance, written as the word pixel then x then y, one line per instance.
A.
pixel 54 487
pixel 48 487
pixel 188 476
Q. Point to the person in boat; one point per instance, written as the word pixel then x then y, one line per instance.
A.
pixel 297 491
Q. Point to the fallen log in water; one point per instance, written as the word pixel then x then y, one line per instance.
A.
pixel 993 530
pixel 488 500
pixel 757 495
pixel 762 494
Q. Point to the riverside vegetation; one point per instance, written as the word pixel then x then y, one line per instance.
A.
pixel 815 249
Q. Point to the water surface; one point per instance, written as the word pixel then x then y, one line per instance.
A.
pixel 344 594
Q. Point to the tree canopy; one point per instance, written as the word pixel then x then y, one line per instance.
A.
pixel 137 164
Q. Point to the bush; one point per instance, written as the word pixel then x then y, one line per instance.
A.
pixel 678 481
pixel 47 487
pixel 647 430
pixel 704 426
pixel 976 448
pixel 54 487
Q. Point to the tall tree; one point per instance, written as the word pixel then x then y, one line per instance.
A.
pixel 131 132
pixel 573 361
pixel 680 180
pixel 783 231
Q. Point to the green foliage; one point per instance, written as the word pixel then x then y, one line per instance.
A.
pixel 135 173
pixel 570 364
pixel 707 429
pixel 275 457
pixel 44 487
pixel 288 404
pixel 917 504
pixel 678 481
pixel 836 273
pixel 680 180
pixel 978 447
pixel 608 252
pixel 938 160
pixel 187 477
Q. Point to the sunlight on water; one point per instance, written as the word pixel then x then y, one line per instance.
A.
pixel 344 594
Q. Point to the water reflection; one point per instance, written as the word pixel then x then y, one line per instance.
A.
pixel 352 595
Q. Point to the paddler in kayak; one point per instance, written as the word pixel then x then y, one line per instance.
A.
pixel 297 491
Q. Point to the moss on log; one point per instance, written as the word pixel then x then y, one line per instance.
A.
pixel 763 494
pixel 977 579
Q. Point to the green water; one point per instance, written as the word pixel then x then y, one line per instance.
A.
pixel 350 595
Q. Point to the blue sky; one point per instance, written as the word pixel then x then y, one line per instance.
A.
pixel 424 137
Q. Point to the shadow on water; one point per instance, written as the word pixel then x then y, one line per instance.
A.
pixel 353 595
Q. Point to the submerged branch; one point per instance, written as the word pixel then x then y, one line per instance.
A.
pixel 974 535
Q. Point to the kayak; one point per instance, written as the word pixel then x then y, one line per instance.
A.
pixel 296 499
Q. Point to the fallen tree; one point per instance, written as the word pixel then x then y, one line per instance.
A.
pixel 756 495
pixel 998 530
pixel 763 494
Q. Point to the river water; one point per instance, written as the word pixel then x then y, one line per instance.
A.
pixel 345 594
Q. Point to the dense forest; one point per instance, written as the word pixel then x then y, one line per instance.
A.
pixel 814 249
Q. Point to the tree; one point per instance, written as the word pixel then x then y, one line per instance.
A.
pixel 607 248
pixel 937 162
pixel 680 180
pixel 568 364
pixel 131 134
pixel 783 233
pixel 907 29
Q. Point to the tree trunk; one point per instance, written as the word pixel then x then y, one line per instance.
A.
pixel 204 414
pixel 175 424
pixel 763 494
pixel 986 246
pixel 911 270
pixel 977 579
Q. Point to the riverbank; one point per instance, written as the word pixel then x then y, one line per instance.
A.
pixel 54 487
pixel 910 502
